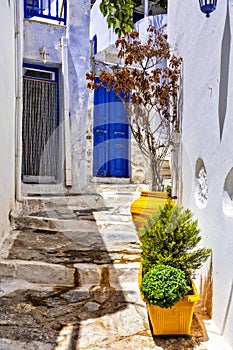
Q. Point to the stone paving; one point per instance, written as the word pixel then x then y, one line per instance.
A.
pixel 69 279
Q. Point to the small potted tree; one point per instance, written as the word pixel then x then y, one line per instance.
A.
pixel 147 83
pixel 170 258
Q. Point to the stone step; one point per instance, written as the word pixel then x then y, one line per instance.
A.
pixel 117 188
pixel 118 276
pixel 67 216
pixel 123 224
pixel 68 247
pixel 54 224
pixel 48 202
pixel 113 192
pixel 37 272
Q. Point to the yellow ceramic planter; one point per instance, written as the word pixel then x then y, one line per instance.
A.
pixel 147 204
pixel 174 320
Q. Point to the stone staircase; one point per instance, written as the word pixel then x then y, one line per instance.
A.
pixel 69 275
pixel 74 259
pixel 63 233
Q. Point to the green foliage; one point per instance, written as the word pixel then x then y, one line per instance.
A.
pixel 169 238
pixel 163 3
pixel 118 14
pixel 169 191
pixel 164 285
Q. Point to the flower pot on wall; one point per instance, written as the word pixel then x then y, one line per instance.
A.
pixel 174 320
pixel 147 204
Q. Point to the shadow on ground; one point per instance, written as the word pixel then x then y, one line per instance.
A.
pixel 76 317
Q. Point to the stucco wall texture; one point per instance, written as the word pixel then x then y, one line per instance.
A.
pixel 7 103
pixel 207 148
pixel 49 35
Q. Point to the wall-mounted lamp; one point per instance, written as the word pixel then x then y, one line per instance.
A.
pixel 208 6
pixel 44 55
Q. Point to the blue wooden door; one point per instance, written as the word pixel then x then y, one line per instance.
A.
pixel 111 136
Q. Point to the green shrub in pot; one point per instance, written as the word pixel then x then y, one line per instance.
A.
pixel 170 237
pixel 164 286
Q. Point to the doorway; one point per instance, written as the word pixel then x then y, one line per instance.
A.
pixel 40 139
pixel 111 135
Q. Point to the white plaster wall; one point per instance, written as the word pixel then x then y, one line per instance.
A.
pixel 7 103
pixel 106 36
pixel 38 34
pixel 79 65
pixel 99 27
pixel 199 41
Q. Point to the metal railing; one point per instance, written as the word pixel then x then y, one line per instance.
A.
pixel 51 9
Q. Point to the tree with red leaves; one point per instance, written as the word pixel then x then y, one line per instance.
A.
pixel 147 83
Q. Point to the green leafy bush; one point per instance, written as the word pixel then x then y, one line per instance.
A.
pixel 169 238
pixel 169 191
pixel 164 285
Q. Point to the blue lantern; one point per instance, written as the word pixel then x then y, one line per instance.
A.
pixel 208 6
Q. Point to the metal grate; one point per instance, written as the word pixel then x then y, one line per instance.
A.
pixel 39 130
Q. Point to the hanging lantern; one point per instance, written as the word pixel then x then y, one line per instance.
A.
pixel 208 6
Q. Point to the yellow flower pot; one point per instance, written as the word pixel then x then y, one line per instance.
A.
pixel 147 204
pixel 174 320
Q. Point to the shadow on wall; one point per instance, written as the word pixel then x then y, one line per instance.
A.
pixel 227 309
pixel 176 159
pixel 206 290
pixel 206 294
pixel 224 72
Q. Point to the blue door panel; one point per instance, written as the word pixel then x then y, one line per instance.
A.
pixel 118 164
pixel 111 135
pixel 100 163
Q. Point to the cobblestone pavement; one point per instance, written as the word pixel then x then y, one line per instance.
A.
pixel 69 282
pixel 48 318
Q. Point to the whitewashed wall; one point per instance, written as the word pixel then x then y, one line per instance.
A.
pixel 99 27
pixel 206 108
pixel 106 36
pixel 7 103
pixel 75 61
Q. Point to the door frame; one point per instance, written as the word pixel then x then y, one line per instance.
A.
pixel 103 101
pixel 54 78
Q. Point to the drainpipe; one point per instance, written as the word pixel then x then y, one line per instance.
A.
pixel 68 162
pixel 146 8
pixel 18 93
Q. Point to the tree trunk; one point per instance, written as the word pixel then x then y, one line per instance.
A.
pixel 157 180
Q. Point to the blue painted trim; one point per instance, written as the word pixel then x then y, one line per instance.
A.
pixel 34 8
pixel 43 68
pixel 94 44
pixel 111 135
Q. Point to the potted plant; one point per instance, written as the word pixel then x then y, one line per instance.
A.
pixel 147 84
pixel 147 204
pixel 169 261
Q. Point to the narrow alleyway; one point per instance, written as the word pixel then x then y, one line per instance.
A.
pixel 69 278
